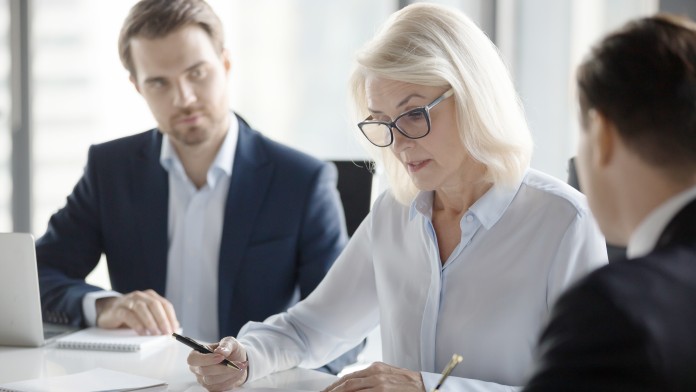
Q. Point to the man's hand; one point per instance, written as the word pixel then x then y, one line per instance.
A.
pixel 379 377
pixel 146 312
pixel 215 377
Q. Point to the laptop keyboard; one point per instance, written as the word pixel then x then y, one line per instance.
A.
pixel 53 330
pixel 50 334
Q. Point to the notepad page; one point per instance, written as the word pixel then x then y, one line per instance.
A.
pixel 108 340
pixel 95 380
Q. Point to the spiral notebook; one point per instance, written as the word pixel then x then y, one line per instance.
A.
pixel 109 340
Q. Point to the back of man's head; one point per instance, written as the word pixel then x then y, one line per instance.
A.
pixel 642 78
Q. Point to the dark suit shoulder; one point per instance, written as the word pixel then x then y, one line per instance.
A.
pixel 286 160
pixel 287 155
pixel 627 326
pixel 140 143
pixel 653 280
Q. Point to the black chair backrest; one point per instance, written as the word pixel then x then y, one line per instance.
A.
pixel 355 188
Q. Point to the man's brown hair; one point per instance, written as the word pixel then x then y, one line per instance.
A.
pixel 643 79
pixel 157 18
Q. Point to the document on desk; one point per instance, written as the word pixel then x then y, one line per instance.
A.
pixel 198 388
pixel 95 380
pixel 270 390
pixel 238 389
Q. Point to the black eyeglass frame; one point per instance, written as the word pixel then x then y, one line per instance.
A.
pixel 392 124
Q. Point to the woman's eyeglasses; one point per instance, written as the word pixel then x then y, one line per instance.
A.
pixel 414 124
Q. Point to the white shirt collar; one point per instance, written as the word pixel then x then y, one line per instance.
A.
pixel 221 164
pixel 645 237
pixel 488 209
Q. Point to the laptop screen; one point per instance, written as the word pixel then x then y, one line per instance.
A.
pixel 20 303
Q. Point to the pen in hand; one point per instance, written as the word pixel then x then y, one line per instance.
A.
pixel 203 349
pixel 456 359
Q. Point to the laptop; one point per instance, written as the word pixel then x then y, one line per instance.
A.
pixel 20 303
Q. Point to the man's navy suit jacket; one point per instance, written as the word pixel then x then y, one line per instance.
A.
pixel 629 326
pixel 283 228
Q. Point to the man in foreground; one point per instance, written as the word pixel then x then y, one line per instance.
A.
pixel 630 325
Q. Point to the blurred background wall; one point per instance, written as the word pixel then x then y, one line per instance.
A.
pixel 62 86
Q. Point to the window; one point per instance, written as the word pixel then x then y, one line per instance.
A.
pixel 290 68
pixel 5 139
pixel 81 94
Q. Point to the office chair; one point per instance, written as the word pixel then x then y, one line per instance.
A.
pixel 614 252
pixel 355 188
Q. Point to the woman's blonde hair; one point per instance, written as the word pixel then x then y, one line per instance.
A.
pixel 433 45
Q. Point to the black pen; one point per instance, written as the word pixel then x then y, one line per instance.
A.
pixel 202 349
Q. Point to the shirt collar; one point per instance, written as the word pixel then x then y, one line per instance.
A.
pixel 423 204
pixel 222 164
pixel 488 209
pixel 645 237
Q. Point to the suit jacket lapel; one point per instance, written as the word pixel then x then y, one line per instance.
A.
pixel 151 201
pixel 251 177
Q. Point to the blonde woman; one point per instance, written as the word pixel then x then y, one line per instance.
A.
pixel 464 254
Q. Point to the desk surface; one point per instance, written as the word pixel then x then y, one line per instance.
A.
pixel 166 362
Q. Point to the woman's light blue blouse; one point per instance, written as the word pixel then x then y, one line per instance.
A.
pixel 520 248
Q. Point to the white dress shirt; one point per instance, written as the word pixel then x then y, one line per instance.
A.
pixel 194 232
pixel 646 235
pixel 519 249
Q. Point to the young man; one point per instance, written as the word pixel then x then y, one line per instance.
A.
pixel 204 222
pixel 630 325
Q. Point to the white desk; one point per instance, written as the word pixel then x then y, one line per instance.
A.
pixel 167 363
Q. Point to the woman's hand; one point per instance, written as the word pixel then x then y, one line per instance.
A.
pixel 216 377
pixel 379 377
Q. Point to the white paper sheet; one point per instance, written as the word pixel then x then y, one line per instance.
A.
pixel 95 380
